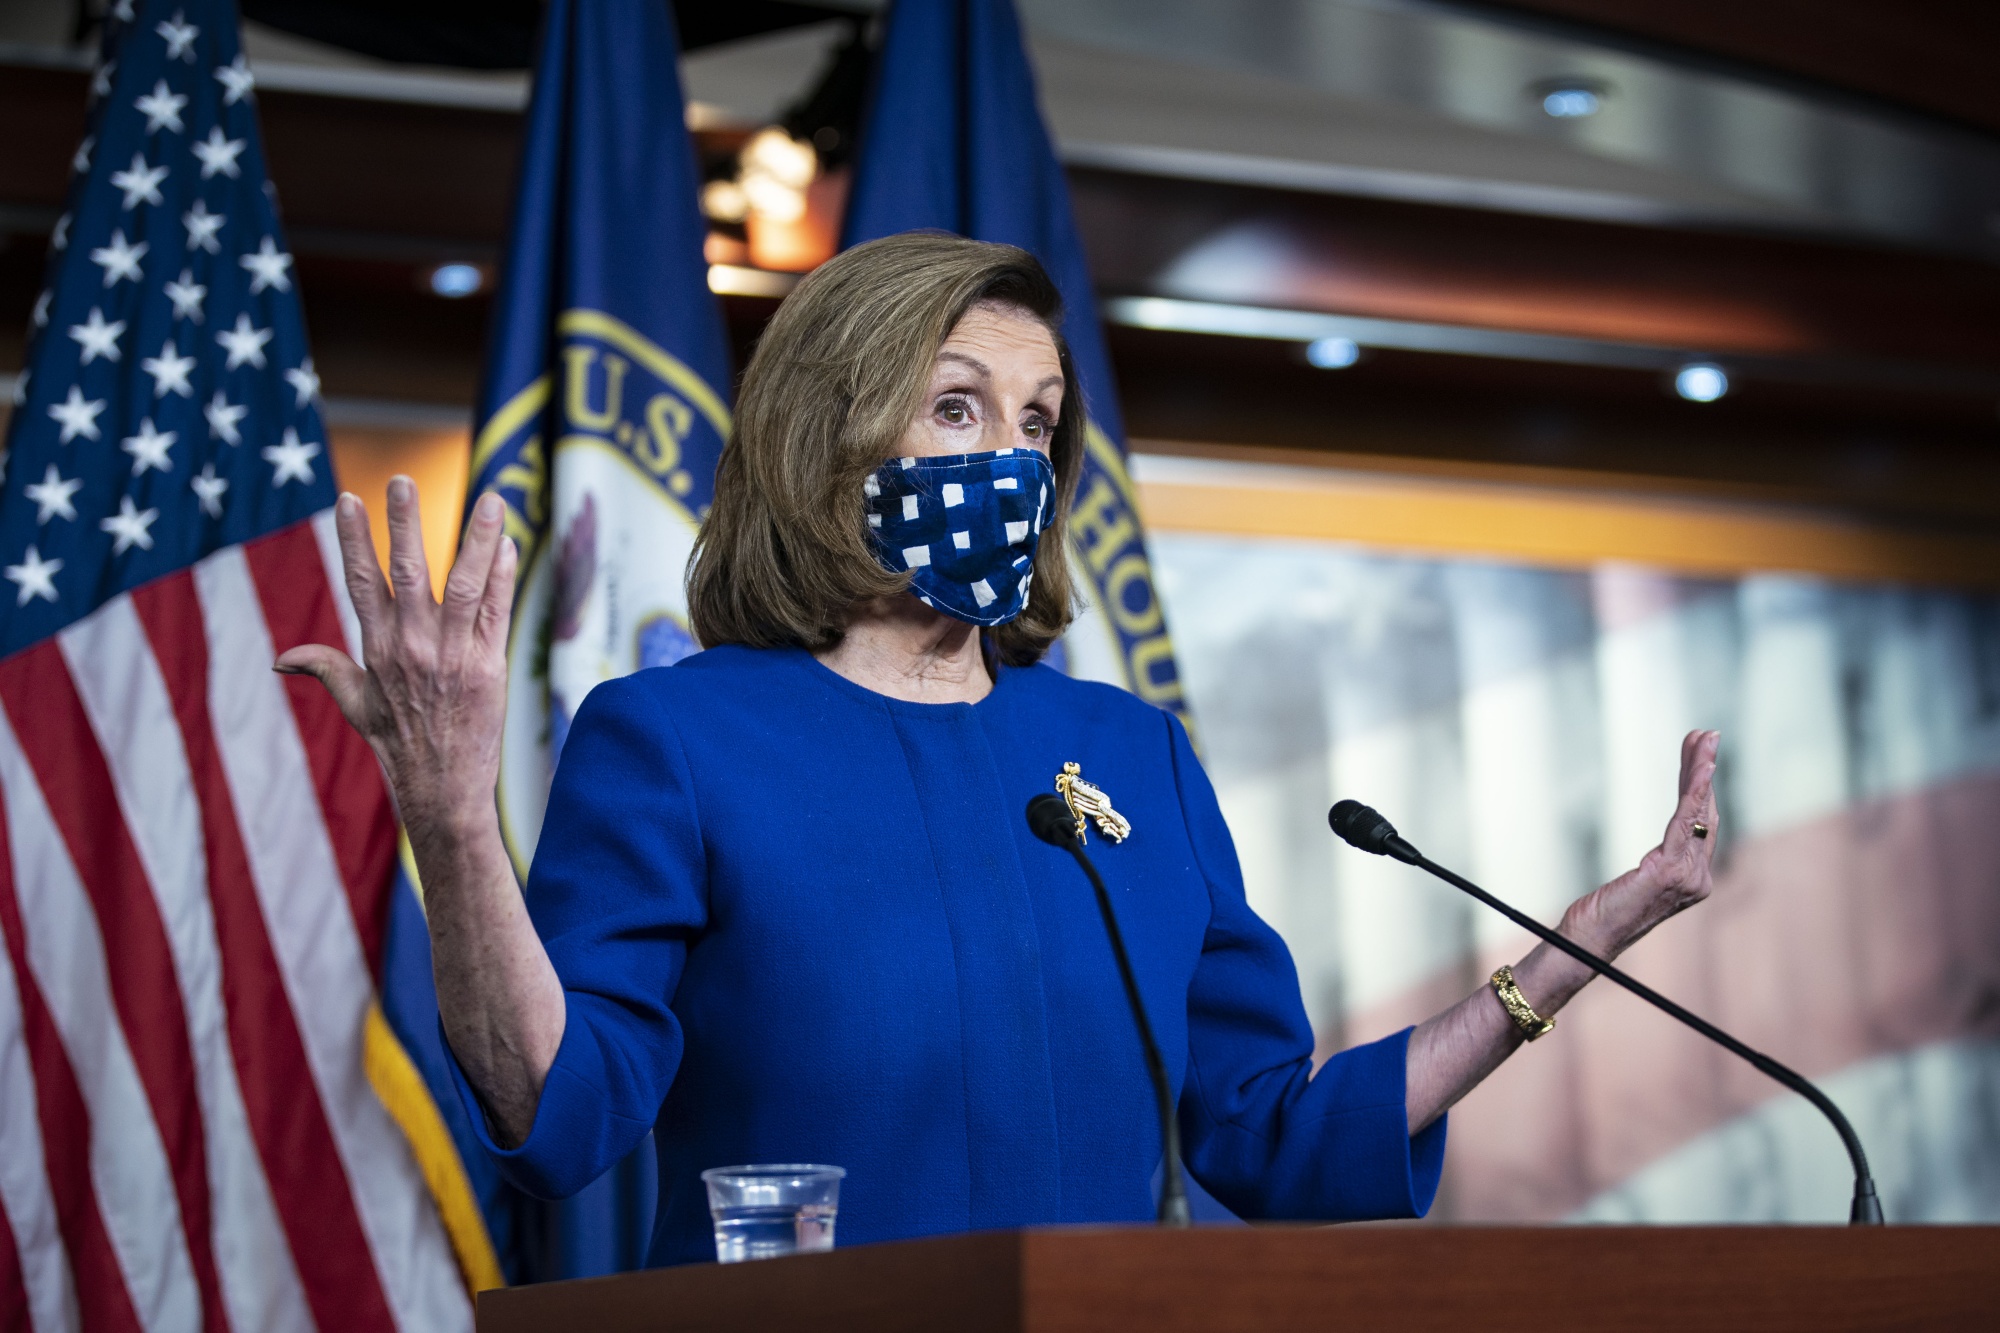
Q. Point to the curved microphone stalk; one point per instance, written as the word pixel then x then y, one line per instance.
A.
pixel 1362 827
pixel 1050 820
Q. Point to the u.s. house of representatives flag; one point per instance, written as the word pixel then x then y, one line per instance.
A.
pixel 603 412
pixel 194 852
pixel 953 139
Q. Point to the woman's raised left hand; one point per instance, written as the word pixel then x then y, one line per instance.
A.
pixel 1672 877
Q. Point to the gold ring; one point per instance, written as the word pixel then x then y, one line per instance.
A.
pixel 1700 829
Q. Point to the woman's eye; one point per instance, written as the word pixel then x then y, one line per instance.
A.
pixel 954 412
pixel 1035 427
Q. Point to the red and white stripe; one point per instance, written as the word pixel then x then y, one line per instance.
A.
pixel 194 861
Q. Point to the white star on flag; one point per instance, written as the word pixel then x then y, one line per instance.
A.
pixel 34 576
pixel 81 162
pixel 236 80
pixel 291 460
pixel 78 416
pixel 119 259
pixel 129 526
pixel 179 35
pixel 162 108
pixel 218 152
pixel 140 182
pixel 96 337
pixel 267 268
pixel 41 315
pixel 208 489
pixel 223 417
pixel 186 294
pixel 59 237
pixel 100 82
pixel 53 495
pixel 169 371
pixel 201 227
pixel 244 343
pixel 122 11
pixel 306 380
pixel 20 396
pixel 149 448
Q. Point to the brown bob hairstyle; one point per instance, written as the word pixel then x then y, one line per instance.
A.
pixel 784 555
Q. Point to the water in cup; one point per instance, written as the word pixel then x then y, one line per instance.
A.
pixel 764 1212
pixel 767 1233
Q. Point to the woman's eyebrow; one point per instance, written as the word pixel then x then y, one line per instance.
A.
pixel 972 361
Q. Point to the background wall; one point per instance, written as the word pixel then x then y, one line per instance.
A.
pixel 365 457
pixel 1522 724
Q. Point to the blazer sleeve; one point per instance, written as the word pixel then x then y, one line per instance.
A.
pixel 617 893
pixel 1260 1131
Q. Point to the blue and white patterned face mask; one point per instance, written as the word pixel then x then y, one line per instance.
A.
pixel 964 526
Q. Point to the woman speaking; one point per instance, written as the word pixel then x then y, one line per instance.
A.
pixel 785 906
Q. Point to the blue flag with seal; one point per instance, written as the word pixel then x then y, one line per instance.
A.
pixel 952 139
pixel 600 423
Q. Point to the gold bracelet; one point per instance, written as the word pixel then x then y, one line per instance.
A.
pixel 1532 1024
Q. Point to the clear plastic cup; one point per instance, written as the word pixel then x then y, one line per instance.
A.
pixel 764 1212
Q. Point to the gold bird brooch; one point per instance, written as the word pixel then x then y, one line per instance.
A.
pixel 1089 803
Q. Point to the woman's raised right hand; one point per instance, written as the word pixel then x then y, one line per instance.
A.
pixel 432 699
pixel 432 703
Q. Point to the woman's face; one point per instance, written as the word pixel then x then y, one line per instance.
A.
pixel 996 384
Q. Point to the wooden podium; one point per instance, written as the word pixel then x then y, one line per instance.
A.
pixel 1265 1278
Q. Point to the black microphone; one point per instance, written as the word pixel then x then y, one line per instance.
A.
pixel 1050 820
pixel 1364 828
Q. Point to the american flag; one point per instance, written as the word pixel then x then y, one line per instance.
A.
pixel 194 852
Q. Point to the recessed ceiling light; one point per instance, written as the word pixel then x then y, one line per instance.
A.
pixel 1333 353
pixel 1701 382
pixel 1569 98
pixel 453 281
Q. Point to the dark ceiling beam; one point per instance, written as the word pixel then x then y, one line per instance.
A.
pixel 499 34
pixel 1719 292
pixel 1931 56
pixel 352 174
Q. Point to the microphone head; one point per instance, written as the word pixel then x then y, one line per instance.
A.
pixel 1050 820
pixel 1359 826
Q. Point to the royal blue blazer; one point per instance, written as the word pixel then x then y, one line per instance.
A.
pixel 799 921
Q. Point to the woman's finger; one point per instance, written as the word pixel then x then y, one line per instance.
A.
pixel 1696 808
pixel 465 586
pixel 409 571
pixel 496 608
pixel 1685 795
pixel 1690 748
pixel 343 678
pixel 361 571
pixel 1708 760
